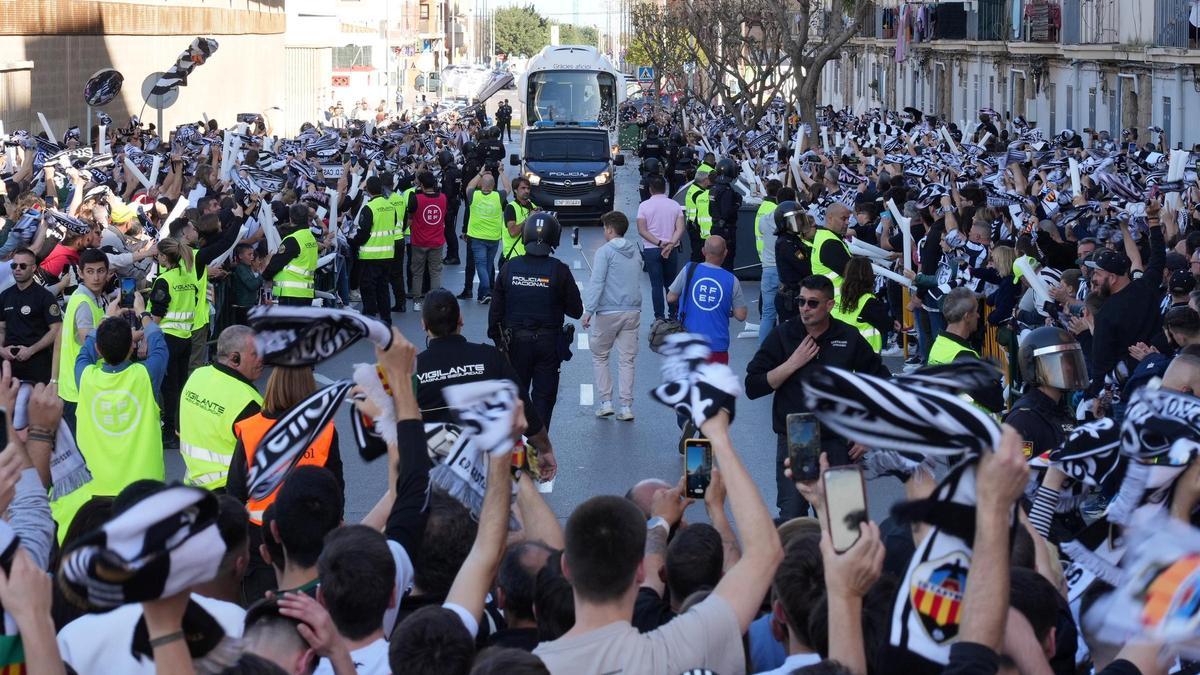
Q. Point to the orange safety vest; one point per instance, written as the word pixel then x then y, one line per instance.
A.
pixel 250 432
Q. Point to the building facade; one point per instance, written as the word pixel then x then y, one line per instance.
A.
pixel 49 49
pixel 1099 64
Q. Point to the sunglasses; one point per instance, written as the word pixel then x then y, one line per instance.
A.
pixel 811 303
pixel 21 266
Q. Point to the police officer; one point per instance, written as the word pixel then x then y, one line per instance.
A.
pixel 681 160
pixel 215 398
pixel 723 204
pixel 451 186
pixel 450 359
pixel 652 145
pixel 697 215
pixel 1052 364
pixel 294 266
pixel 534 292
pixel 650 167
pixel 375 242
pixel 491 149
pixel 400 274
pixel 794 230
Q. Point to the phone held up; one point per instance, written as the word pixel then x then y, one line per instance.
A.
pixel 697 466
pixel 804 446
pixel 128 288
pixel 845 504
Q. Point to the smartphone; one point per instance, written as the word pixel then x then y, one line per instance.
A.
pixel 845 504
pixel 697 466
pixel 804 446
pixel 128 288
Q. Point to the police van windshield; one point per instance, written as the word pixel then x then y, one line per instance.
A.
pixel 572 96
pixel 567 148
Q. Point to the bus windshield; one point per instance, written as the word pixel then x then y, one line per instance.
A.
pixel 572 96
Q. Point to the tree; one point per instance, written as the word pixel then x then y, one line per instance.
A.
pixel 814 38
pixel 660 40
pixel 739 44
pixel 570 34
pixel 520 30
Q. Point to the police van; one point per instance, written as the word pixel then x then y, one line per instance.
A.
pixel 570 168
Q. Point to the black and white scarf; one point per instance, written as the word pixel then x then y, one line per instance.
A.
pixel 176 76
pixel 305 336
pixel 894 415
pixel 695 388
pixel 484 418
pixel 164 544
pixel 284 443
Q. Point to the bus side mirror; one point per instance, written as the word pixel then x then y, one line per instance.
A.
pixel 619 160
pixel 514 159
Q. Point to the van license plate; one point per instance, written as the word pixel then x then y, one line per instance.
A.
pixel 566 202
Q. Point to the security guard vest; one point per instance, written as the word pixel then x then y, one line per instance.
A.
pixel 510 246
pixel 200 320
pixel 400 201
pixel 689 202
pixel 818 265
pixel 869 332
pixel 945 350
pixel 117 427
pixel 704 168
pixel 250 432
pixel 208 408
pixel 703 215
pixel 380 245
pixel 530 300
pixel 68 352
pixel 487 216
pixel 766 207
pixel 181 311
pixel 298 278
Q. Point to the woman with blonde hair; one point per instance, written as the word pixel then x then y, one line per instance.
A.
pixel 286 388
pixel 173 299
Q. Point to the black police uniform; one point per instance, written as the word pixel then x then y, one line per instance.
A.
pixel 679 166
pixel 1043 423
pixel 723 205
pixel 651 147
pixel 28 316
pixel 529 302
pixel 504 119
pixel 453 360
pixel 452 187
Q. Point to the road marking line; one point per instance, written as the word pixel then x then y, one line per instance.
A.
pixel 583 341
pixel 577 265
pixel 585 394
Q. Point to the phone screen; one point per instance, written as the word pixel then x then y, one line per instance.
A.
pixel 128 288
pixel 845 505
pixel 804 445
pixel 697 457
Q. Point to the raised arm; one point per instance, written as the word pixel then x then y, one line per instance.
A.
pixel 474 578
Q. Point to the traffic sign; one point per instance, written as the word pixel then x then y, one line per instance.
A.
pixel 645 74
pixel 158 101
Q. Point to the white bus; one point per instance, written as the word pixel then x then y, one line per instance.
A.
pixel 571 85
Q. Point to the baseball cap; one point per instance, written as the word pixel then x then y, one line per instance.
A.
pixel 1182 282
pixel 1176 261
pixel 1110 261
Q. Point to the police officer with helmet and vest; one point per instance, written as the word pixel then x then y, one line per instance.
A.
pixel 534 293
pixel 215 398
pixel 723 204
pixel 1052 365
pixel 794 230
pixel 652 145
pixel 650 167
pixel 293 268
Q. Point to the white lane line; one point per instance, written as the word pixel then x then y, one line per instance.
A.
pixel 585 394
pixel 576 265
pixel 583 341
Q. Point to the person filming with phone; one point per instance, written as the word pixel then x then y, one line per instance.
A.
pixel 814 337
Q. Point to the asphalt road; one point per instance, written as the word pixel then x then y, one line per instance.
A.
pixel 595 456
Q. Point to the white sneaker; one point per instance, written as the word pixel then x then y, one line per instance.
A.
pixel 626 414
pixel 606 409
pixel 894 350
pixel 416 306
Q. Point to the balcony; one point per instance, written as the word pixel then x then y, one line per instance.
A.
pixel 991 22
pixel 1171 27
pixel 1042 21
